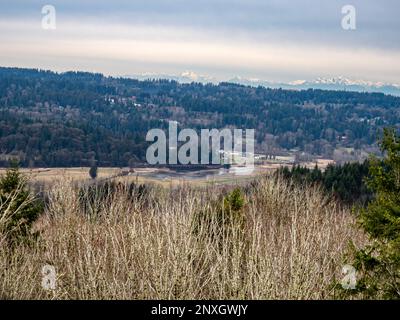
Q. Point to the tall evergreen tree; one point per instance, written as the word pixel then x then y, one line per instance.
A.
pixel 378 264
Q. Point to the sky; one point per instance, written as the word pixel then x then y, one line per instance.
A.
pixel 274 40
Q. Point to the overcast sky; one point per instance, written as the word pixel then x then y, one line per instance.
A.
pixel 276 40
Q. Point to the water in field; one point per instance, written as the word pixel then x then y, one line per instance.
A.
pixel 209 174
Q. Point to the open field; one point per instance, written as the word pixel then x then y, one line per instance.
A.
pixel 161 176
pixel 52 174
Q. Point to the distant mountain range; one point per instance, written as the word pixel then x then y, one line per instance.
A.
pixel 335 83
pixel 338 83
pixel 184 77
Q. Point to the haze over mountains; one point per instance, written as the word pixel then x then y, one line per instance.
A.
pixel 334 83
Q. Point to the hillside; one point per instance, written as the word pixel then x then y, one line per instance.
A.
pixel 70 119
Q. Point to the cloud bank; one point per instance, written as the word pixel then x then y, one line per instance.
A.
pixel 275 40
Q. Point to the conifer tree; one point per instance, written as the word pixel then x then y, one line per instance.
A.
pixel 18 207
pixel 378 264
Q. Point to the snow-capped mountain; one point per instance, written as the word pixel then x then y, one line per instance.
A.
pixel 184 77
pixel 335 83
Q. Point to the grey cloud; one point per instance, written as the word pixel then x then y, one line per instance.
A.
pixel 301 20
pixel 313 23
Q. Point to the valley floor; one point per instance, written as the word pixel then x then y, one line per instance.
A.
pixel 163 176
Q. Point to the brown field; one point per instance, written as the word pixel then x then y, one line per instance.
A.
pixel 52 174
pixel 142 175
pixel 163 177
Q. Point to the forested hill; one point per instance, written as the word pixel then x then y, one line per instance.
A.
pixel 72 118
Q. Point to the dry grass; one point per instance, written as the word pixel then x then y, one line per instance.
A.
pixel 48 175
pixel 291 248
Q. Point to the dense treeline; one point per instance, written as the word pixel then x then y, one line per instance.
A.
pixel 346 182
pixel 74 118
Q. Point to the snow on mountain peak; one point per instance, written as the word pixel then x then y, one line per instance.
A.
pixel 333 83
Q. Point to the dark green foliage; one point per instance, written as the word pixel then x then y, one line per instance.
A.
pixel 93 172
pixel 223 217
pixel 19 208
pixel 345 182
pixel 232 214
pixel 234 201
pixel 378 264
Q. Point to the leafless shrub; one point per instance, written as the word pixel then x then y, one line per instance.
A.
pixel 291 247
